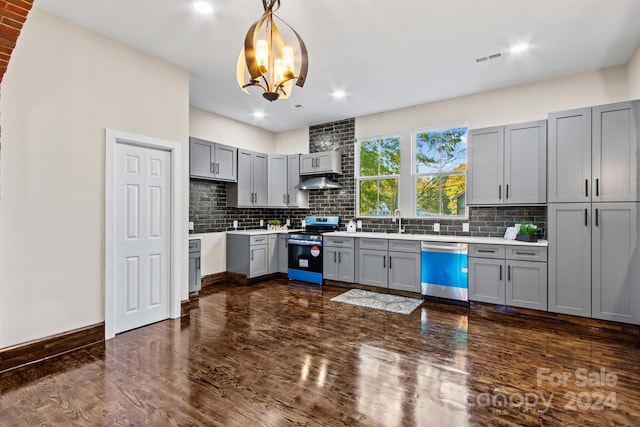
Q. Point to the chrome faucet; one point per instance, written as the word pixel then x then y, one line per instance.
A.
pixel 396 214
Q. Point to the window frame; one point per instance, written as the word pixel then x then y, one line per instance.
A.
pixel 415 175
pixel 359 179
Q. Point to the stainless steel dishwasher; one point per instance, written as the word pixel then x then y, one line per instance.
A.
pixel 445 270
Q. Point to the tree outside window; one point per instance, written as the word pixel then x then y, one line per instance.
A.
pixel 440 167
pixel 378 174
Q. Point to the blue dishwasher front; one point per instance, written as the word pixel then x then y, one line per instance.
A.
pixel 445 270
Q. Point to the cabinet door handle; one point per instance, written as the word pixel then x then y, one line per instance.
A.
pixel 596 217
pixel 586 187
pixel 508 273
pixel 500 276
pixel 526 253
pixel 284 199
pixel 390 262
pixel 384 262
pixel 212 168
pixel 499 192
pixel 217 168
pixel 486 251
pixel 507 192
pixel 586 223
pixel 198 263
pixel 288 199
pixel 251 254
pixel 339 257
pixel 597 187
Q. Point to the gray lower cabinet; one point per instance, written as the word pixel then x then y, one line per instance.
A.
pixel 195 282
pixel 283 253
pixel 511 275
pixel 248 255
pixel 594 262
pixel 486 280
pixel 569 233
pixel 404 271
pixel 339 259
pixel 393 264
pixel 372 267
pixel 272 254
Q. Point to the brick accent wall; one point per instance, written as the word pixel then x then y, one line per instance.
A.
pixel 13 14
pixel 209 212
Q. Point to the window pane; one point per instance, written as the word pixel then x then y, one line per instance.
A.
pixel 441 151
pixel 378 197
pixel 380 157
pixel 441 195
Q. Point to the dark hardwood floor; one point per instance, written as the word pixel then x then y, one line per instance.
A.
pixel 274 354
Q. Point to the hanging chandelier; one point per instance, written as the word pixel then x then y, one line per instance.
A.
pixel 266 62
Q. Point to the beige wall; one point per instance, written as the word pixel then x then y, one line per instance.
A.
pixel 633 75
pixel 64 86
pixel 212 127
pixel 293 142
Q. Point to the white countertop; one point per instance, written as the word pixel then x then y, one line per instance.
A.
pixel 260 231
pixel 439 238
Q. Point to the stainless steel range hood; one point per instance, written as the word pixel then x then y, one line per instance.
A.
pixel 318 183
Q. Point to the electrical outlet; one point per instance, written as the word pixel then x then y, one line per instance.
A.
pixel 288 222
pixel 465 227
pixel 190 225
pixel 359 224
pixel 436 227
pixel 235 223
pixel 262 223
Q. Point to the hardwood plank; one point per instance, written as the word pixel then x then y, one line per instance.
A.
pixel 279 353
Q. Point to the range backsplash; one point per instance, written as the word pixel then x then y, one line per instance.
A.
pixel 209 212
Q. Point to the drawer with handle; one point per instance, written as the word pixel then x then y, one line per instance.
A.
pixel 258 240
pixel 527 253
pixel 487 251
pixel 338 242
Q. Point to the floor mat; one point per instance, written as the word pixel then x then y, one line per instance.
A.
pixel 386 302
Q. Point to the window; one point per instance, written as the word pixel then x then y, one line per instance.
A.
pixel 441 172
pixel 378 172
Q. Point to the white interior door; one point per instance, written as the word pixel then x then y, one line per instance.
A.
pixel 142 236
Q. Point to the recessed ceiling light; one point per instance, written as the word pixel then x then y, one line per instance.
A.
pixel 203 7
pixel 339 94
pixel 522 47
pixel 258 114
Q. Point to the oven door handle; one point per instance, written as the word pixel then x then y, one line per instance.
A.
pixel 304 242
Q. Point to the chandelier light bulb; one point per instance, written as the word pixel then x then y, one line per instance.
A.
pixel 262 55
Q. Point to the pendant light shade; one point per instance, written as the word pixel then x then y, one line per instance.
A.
pixel 267 62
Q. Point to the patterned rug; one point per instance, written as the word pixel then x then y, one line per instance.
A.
pixel 386 302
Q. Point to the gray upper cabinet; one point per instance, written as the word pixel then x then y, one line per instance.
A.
pixel 593 154
pixel 485 153
pixel 251 188
pixel 615 152
pixel 321 162
pixel 507 164
pixel 278 181
pixel 569 234
pixel 525 163
pixel 570 156
pixel 210 160
pixel 615 262
pixel 296 198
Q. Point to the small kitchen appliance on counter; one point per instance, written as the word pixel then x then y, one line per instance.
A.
pixel 305 248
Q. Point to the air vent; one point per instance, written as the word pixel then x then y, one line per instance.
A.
pixel 486 58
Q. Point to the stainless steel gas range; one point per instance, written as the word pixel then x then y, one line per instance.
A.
pixel 305 248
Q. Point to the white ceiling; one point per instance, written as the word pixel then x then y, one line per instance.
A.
pixel 384 54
